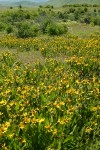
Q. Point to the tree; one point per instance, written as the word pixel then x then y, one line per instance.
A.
pixel 20 6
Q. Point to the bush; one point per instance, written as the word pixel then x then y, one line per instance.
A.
pixel 95 10
pixel 26 30
pixel 35 30
pixel 45 23
pixel 85 9
pixel 11 7
pixel 87 20
pixel 9 29
pixel 62 28
pixel 55 29
pixel 71 17
pixel 18 16
pixel 71 10
pixel 51 29
pixel 62 15
pixel 76 15
pixel 96 21
pixel 2 26
pixel 20 6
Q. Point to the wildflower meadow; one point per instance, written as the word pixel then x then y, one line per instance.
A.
pixel 55 105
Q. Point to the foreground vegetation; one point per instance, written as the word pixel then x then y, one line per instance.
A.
pixel 24 23
pixel 53 104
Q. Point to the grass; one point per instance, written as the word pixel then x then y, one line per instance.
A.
pixel 32 57
pixel 64 2
pixel 82 30
pixel 49 90
pixel 54 105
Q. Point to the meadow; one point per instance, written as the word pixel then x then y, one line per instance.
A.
pixel 49 91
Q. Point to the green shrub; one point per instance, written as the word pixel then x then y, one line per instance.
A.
pixel 63 15
pixel 71 17
pixel 35 30
pixel 95 10
pixel 87 20
pixel 76 15
pixel 20 6
pixel 18 16
pixel 45 23
pixel 96 21
pixel 9 29
pixel 2 26
pixel 56 29
pixel 85 9
pixel 27 16
pixel 51 29
pixel 71 10
pixel 26 30
pixel 11 7
pixel 62 28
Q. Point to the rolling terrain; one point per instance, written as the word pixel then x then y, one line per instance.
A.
pixel 64 2
pixel 49 76
pixel 47 2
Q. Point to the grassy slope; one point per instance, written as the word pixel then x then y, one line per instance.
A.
pixel 74 28
pixel 51 2
pixel 23 3
pixel 63 2
pixel 32 57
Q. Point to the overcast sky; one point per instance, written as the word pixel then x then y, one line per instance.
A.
pixel 21 0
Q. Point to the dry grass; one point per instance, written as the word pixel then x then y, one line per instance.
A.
pixel 82 30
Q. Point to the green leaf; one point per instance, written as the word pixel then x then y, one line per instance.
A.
pixel 17 106
pixel 69 137
pixel 1 81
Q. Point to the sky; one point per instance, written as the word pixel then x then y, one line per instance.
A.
pixel 21 0
pixel 11 1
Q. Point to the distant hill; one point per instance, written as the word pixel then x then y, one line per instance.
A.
pixel 64 2
pixel 22 2
pixel 15 3
pixel 46 2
